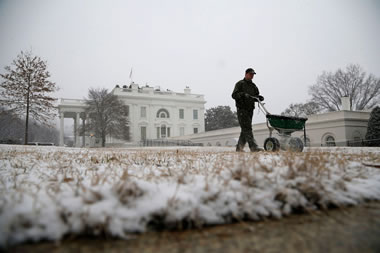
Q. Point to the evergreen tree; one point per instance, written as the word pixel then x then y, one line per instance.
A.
pixel 373 131
pixel 220 117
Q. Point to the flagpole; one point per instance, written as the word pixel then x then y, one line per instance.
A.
pixel 130 75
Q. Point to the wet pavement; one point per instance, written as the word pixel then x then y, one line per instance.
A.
pixel 350 229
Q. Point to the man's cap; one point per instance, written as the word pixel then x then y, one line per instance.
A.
pixel 250 70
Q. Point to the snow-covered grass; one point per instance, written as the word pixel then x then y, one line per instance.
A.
pixel 50 192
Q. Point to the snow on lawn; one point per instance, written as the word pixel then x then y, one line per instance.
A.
pixel 50 192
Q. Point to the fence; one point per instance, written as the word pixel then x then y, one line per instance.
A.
pixel 364 143
pixel 351 143
pixel 167 143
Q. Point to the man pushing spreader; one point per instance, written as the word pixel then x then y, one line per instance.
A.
pixel 244 94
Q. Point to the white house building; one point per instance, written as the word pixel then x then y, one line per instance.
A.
pixel 153 114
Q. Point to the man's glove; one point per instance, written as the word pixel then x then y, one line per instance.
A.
pixel 261 98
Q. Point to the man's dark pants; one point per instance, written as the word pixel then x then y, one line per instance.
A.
pixel 246 135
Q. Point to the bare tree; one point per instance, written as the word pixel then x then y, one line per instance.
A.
pixel 25 89
pixel 302 110
pixel 363 89
pixel 108 115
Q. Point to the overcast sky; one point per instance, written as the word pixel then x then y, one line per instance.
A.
pixel 203 44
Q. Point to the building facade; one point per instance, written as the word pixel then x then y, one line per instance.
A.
pixel 340 128
pixel 153 114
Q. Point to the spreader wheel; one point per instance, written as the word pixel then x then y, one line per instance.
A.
pixel 295 144
pixel 271 144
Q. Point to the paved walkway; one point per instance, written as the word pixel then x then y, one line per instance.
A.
pixel 355 229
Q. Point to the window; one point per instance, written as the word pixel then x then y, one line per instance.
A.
pixel 162 113
pixel 195 114
pixel 356 140
pixel 330 141
pixel 181 113
pixel 158 133
pixel 163 131
pixel 126 133
pixel 181 131
pixel 143 133
pixel 143 112
pixel 195 130
pixel 168 131
pixel 356 136
pixel 127 110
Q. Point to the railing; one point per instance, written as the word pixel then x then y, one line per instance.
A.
pixel 41 143
pixel 164 93
pixel 363 143
pixel 350 143
pixel 72 101
pixel 167 143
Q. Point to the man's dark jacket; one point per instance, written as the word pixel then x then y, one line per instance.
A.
pixel 245 87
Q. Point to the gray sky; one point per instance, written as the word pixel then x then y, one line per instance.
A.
pixel 204 44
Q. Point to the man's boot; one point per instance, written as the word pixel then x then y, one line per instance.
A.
pixel 254 148
pixel 239 148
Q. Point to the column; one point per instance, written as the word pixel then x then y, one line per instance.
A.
pixel 84 130
pixel 77 141
pixel 134 123
pixel 61 129
pixel 75 132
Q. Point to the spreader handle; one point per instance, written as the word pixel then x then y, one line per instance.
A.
pixel 261 105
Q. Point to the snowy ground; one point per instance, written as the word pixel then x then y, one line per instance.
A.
pixel 50 192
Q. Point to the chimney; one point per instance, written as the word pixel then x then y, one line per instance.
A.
pixel 134 87
pixel 346 106
pixel 149 89
pixel 187 90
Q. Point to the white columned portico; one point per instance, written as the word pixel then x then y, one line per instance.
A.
pixel 61 129
pixel 71 109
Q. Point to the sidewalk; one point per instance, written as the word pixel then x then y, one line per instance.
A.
pixel 354 229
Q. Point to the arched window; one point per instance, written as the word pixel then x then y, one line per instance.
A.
pixel 218 144
pixel 162 113
pixel 356 136
pixel 330 141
